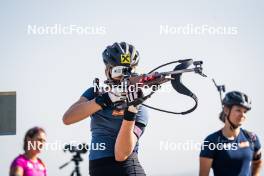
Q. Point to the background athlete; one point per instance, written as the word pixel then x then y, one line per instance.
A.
pixel 232 151
pixel 28 164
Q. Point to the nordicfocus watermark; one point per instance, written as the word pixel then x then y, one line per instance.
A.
pixel 59 29
pixel 191 145
pixel 123 87
pixel 72 146
pixel 191 29
pixel 138 87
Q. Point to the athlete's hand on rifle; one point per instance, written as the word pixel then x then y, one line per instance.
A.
pixel 134 98
pixel 109 98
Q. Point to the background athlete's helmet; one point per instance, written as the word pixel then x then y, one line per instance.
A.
pixel 121 54
pixel 237 98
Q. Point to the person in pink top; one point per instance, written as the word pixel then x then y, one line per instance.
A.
pixel 28 164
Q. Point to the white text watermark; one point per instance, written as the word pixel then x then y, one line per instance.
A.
pixel 59 29
pixel 71 146
pixel 191 29
pixel 191 145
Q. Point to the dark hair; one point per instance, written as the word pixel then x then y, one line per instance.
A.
pixel 222 116
pixel 30 134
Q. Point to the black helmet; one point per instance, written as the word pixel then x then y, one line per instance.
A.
pixel 121 54
pixel 237 98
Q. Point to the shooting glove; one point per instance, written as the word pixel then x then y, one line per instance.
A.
pixel 134 98
pixel 108 99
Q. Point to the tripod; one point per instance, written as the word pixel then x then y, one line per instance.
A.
pixel 76 159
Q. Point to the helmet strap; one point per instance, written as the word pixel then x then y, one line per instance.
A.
pixel 232 125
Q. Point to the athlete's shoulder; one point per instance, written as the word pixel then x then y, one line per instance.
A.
pixel 250 135
pixel 214 137
pixel 20 160
pixel 89 93
pixel 252 138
